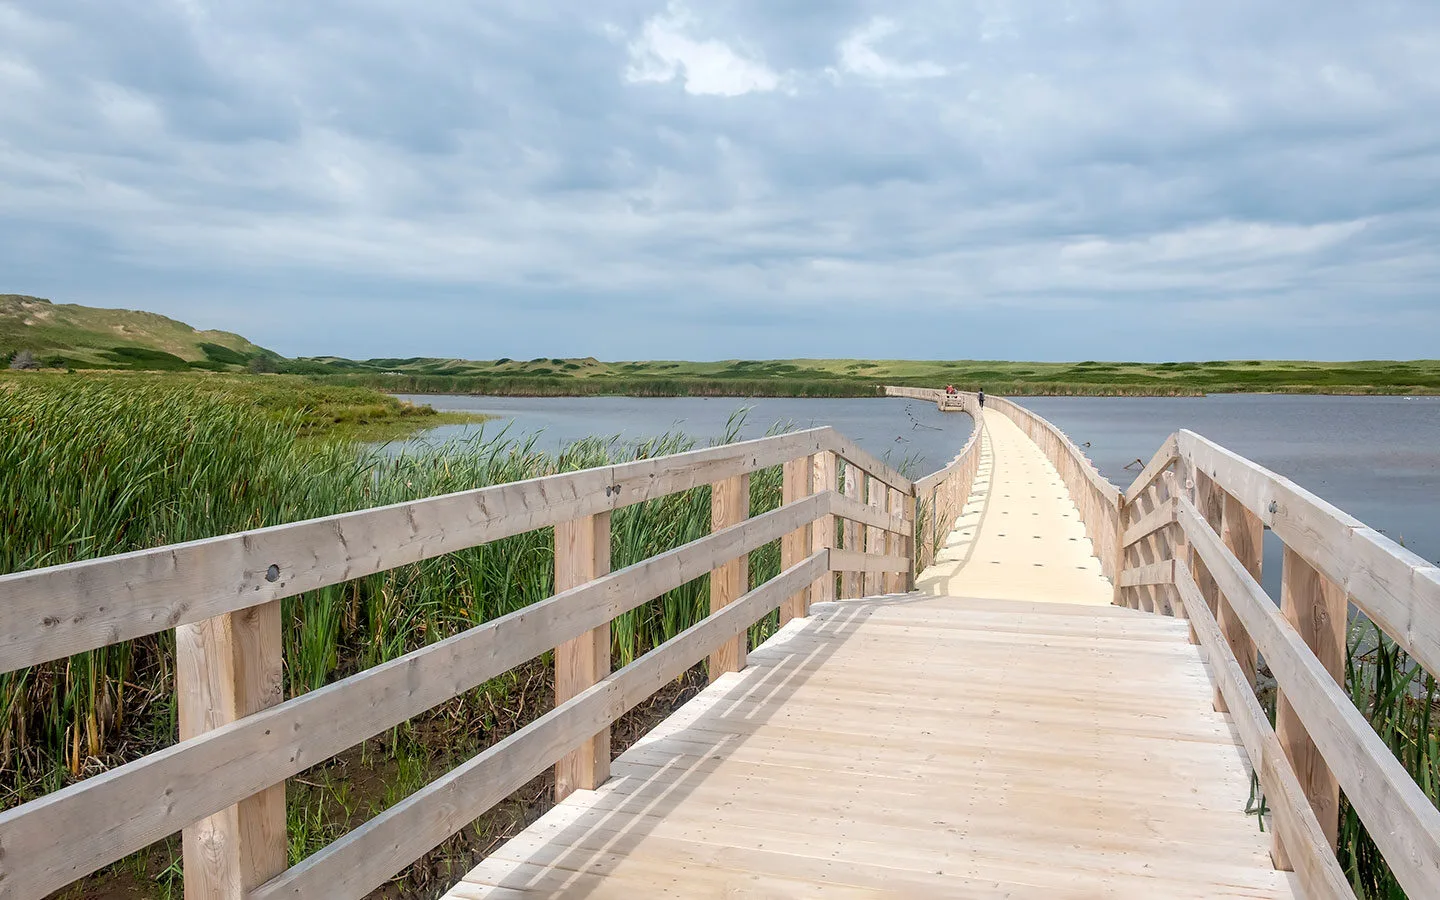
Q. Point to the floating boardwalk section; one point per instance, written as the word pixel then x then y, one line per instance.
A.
pixel 1005 679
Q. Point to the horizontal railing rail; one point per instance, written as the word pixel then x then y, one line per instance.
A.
pixel 941 496
pixel 1194 523
pixel 241 739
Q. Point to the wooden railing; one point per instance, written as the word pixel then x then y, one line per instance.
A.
pixel 223 784
pixel 1194 522
pixel 1097 500
pixel 942 495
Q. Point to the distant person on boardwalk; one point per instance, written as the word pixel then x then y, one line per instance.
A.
pixel 982 398
pixel 949 390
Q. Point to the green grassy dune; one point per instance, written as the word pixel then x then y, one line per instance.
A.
pixel 67 335
pixel 863 378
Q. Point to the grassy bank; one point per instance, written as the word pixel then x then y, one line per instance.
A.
pixel 95 466
pixel 863 378
pixel 313 409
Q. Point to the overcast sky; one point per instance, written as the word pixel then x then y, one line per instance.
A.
pixel 1031 179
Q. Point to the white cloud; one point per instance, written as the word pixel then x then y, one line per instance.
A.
pixel 479 161
pixel 665 50
pixel 859 55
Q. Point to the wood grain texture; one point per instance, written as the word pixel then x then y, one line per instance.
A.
pixel 1294 818
pixel 1161 462
pixel 803 777
pixel 227 668
pixel 1146 525
pixel 729 505
pixel 822 532
pixel 1391 585
pixel 796 479
pixel 582 554
pixel 877 498
pixel 1243 535
pixel 1315 608
pixel 1159 573
pixel 858 561
pixel 368 856
pixel 1403 822
pixel 851 584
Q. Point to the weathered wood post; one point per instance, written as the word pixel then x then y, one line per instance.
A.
pixel 1118 559
pixel 1317 608
pixel 582 553
pixel 1244 534
pixel 908 542
pixel 795 546
pixel 850 582
pixel 729 505
pixel 874 537
pixel 226 668
pixel 894 543
pixel 823 531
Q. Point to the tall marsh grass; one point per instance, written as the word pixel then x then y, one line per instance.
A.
pixel 1399 698
pixel 92 467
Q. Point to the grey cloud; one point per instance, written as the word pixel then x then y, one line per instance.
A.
pixel 1031 167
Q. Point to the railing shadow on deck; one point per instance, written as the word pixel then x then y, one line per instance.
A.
pixel 634 814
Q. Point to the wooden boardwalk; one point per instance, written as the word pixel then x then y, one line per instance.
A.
pixel 1064 705
pixel 1029 740
pixel 1020 536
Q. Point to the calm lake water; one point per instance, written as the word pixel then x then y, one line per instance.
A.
pixel 895 430
pixel 1377 458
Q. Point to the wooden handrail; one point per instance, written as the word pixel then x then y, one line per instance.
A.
pixel 1401 820
pixel 1218 501
pixel 1319 872
pixel 367 857
pixel 1148 524
pixel 1398 590
pixel 1098 501
pixel 129 807
pixel 58 611
pixel 1162 460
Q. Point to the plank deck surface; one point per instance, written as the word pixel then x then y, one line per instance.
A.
pixel 1020 536
pixel 1028 740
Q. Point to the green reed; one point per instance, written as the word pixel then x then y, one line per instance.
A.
pixel 92 467
pixel 1399 698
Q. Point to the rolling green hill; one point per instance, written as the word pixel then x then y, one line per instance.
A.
pixel 862 378
pixel 82 337
pixel 67 335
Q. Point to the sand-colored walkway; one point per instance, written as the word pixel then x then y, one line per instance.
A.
pixel 922 747
pixel 1020 536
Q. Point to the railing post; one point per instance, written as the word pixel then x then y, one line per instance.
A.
pixel 907 543
pixel 1119 557
pixel 874 537
pixel 895 505
pixel 1209 501
pixel 795 546
pixel 1316 607
pixel 582 553
pixel 823 531
pixel 850 582
pixel 1243 533
pixel 226 668
pixel 729 505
